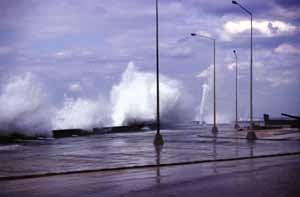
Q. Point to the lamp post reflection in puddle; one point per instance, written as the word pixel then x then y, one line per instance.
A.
pixel 158 149
pixel 237 146
pixel 251 147
pixel 214 142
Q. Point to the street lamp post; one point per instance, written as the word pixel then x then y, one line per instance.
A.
pixel 251 134
pixel 236 125
pixel 158 139
pixel 214 128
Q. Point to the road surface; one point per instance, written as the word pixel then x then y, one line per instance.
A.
pixel 275 176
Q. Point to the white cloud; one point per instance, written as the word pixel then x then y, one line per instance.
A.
pixel 176 8
pixel 267 28
pixel 62 54
pixel 85 52
pixel 287 48
pixel 281 79
pixel 5 50
pixel 74 52
pixel 204 33
pixel 179 52
pixel 75 87
pixel 205 73
pixel 231 66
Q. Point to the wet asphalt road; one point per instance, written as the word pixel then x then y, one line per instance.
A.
pixel 131 149
pixel 276 176
pixel 103 154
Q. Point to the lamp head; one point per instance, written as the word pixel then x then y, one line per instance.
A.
pixel 234 2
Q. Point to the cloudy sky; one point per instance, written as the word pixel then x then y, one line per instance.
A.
pixel 81 48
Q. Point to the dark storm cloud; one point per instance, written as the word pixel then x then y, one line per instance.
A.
pixel 288 3
pixel 221 8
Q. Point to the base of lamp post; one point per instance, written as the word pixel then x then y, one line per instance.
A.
pixel 214 129
pixel 251 135
pixel 236 126
pixel 158 140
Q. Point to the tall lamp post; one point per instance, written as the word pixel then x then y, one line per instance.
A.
pixel 236 125
pixel 251 134
pixel 158 139
pixel 214 128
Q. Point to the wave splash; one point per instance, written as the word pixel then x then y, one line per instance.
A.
pixel 25 106
pixel 134 98
pixel 80 113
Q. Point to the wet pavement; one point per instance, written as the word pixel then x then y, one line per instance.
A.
pixel 112 151
pixel 276 176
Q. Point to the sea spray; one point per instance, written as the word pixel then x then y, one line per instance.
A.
pixel 81 113
pixel 23 106
pixel 203 102
pixel 134 98
pixel 26 108
pixel 223 98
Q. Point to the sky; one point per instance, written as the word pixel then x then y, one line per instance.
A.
pixel 79 49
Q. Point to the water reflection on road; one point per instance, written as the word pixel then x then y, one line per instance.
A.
pixel 133 149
